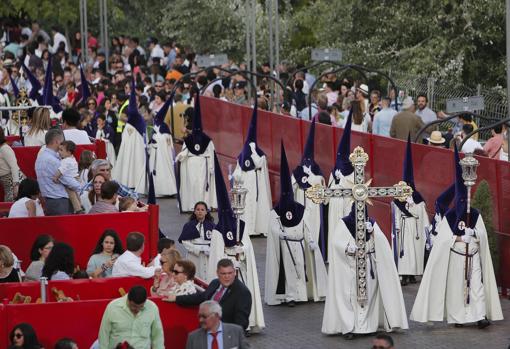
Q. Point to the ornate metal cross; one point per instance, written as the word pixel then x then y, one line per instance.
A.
pixel 360 192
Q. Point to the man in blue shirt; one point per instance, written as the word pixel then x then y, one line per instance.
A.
pixel 46 166
pixel 382 119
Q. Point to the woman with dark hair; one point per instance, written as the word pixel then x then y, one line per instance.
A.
pixel 27 203
pixel 86 158
pixel 41 248
pixel 89 198
pixel 108 248
pixel 60 262
pixel 196 237
pixel 9 169
pixel 360 119
pixel 23 336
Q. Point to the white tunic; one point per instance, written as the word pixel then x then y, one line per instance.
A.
pixel 248 273
pixel 198 252
pixel 385 306
pixel 338 207
pixel 441 294
pixel 196 178
pixel 110 150
pixel 301 282
pixel 258 198
pixel 130 165
pixel 410 238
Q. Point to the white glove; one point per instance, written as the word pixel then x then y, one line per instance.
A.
pixel 469 232
pixel 204 248
pixel 237 264
pixel 369 227
pixel 351 249
pixel 313 245
pixel 238 249
pixel 410 200
pixel 253 146
pixel 338 174
pixel 467 238
pixel 437 218
pixel 283 236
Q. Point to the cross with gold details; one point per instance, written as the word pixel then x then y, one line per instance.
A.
pixel 360 192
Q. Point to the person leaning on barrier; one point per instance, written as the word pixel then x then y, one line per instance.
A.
pixel 233 296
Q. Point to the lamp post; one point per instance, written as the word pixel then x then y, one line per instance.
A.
pixel 238 199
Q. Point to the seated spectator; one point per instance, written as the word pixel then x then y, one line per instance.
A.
pixel 133 311
pixel 90 197
pixel 71 118
pixel 324 118
pixel 41 248
pixel 23 336
pixel 494 144
pixel 9 271
pixel 39 125
pixel 130 262
pixel 128 204
pixel 184 274
pixel 108 249
pixel 86 158
pixel 233 296
pixel 104 167
pixel 164 279
pixel 470 145
pixel 60 262
pixel 436 139
pixel 9 170
pixel 106 204
pixel 27 203
pixel 164 245
pixel 66 343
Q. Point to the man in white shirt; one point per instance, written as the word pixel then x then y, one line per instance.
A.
pixel 383 119
pixel 57 39
pixel 470 145
pixel 129 263
pixel 71 118
pixel 424 112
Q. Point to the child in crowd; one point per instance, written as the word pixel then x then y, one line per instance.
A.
pixel 164 246
pixel 69 167
pixel 128 204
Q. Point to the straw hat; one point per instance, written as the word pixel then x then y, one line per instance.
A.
pixel 436 138
pixel 363 88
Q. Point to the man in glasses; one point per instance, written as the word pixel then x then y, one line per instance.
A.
pixel 134 319
pixel 213 333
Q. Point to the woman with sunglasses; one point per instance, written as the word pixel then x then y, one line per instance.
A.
pixel 164 278
pixel 184 274
pixel 23 336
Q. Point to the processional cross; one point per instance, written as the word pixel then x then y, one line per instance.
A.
pixel 360 192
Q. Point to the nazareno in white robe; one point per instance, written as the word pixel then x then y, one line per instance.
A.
pixel 312 214
pixel 130 165
pixel 196 254
pixel 161 164
pixel 248 268
pixel 338 208
pixel 301 283
pixel 441 293
pixel 410 242
pixel 258 198
pixel 385 307
pixel 196 178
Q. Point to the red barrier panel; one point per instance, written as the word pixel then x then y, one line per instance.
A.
pixel 12 139
pixel 434 170
pixel 80 231
pixel 26 156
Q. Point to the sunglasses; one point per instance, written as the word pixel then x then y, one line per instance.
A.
pixel 18 335
pixel 176 272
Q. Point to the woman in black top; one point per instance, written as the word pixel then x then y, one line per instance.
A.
pixel 8 271
pixel 23 336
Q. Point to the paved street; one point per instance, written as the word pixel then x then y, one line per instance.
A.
pixel 299 327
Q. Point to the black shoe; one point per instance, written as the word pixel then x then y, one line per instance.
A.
pixel 459 325
pixel 349 336
pixel 291 304
pixel 412 279
pixel 247 333
pixel 483 323
pixel 404 281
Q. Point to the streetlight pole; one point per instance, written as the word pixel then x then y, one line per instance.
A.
pixel 83 29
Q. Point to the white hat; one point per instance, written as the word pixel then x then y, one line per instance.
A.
pixel 363 88
pixel 436 138
pixel 408 103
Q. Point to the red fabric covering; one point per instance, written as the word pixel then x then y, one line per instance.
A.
pixel 12 139
pixel 80 231
pixel 227 125
pixel 81 320
pixel 26 156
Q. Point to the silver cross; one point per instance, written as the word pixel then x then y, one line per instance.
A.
pixel 360 192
